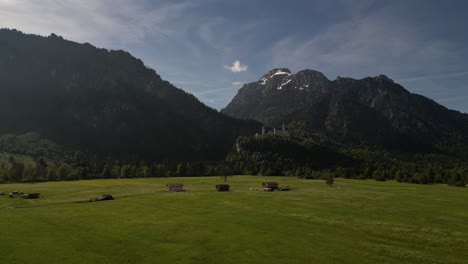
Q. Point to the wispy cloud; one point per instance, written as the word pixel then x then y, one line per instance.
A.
pixel 433 77
pixel 452 99
pixel 212 91
pixel 376 43
pixel 185 83
pixel 105 23
pixel 236 83
pixel 210 32
pixel 236 67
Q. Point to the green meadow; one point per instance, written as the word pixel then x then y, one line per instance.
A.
pixel 352 222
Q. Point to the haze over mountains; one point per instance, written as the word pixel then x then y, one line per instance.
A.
pixel 105 103
pixel 373 110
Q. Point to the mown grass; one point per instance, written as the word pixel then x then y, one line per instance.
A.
pixel 352 222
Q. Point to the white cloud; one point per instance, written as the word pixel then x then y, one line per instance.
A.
pixel 236 83
pixel 236 67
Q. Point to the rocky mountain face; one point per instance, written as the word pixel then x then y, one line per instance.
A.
pixel 278 93
pixel 373 110
pixel 105 103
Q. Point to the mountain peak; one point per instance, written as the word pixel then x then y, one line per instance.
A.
pixel 384 78
pixel 312 74
pixel 275 72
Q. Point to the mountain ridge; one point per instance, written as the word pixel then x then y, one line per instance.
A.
pixel 372 110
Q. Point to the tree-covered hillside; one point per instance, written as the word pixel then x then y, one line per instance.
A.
pixel 317 157
pixel 105 103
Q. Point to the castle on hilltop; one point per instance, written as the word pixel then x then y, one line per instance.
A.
pixel 283 132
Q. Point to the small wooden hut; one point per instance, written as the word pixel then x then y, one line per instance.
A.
pixel 104 197
pixel 222 187
pixel 270 185
pixel 31 196
pixel 175 187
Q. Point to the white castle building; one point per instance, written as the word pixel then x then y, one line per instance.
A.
pixel 283 132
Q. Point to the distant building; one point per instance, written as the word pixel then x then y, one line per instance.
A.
pixel 270 185
pixel 283 132
pixel 222 187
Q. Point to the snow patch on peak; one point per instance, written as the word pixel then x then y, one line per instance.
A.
pixel 280 72
pixel 276 71
pixel 283 84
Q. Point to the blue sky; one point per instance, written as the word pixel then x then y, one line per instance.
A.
pixel 209 47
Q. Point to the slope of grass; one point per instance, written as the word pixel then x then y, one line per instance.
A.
pixel 352 222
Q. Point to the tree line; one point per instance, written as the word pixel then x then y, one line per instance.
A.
pixel 273 155
pixel 263 155
pixel 41 170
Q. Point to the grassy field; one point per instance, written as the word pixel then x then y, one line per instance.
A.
pixel 352 222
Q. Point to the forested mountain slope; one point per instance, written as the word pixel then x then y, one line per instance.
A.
pixel 105 103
